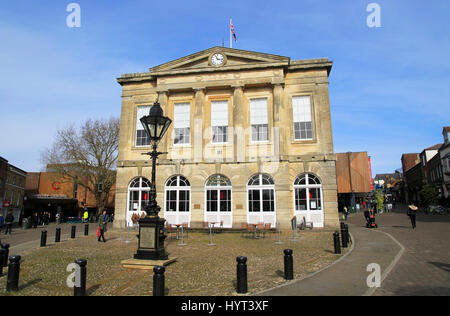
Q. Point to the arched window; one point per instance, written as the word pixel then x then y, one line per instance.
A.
pixel 218 191
pixel 308 193
pixel 178 200
pixel 178 191
pixel 138 194
pixel 308 199
pixel 261 199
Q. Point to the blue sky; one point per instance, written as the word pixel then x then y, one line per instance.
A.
pixel 389 87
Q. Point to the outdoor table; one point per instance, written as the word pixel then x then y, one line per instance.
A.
pixel 211 226
pixel 182 235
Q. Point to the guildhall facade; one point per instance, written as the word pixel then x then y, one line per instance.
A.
pixel 250 142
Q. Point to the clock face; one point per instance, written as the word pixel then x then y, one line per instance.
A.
pixel 217 59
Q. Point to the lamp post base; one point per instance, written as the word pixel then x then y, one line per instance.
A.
pixel 143 254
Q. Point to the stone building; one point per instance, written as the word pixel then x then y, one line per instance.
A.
pixel 250 141
pixel 12 188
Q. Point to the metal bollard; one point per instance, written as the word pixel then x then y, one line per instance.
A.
pixel 73 233
pixel 2 258
pixel 86 230
pixel 337 243
pixel 158 281
pixel 58 235
pixel 5 259
pixel 288 264
pixel 345 237
pixel 347 234
pixel 81 289
pixel 12 283
pixel 43 238
pixel 242 287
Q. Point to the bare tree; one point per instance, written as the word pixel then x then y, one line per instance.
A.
pixel 87 157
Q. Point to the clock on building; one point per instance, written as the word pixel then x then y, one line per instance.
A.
pixel 218 59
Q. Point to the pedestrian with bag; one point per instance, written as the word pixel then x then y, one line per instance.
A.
pixel 412 211
pixel 102 222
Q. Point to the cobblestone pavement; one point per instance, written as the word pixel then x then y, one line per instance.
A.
pixel 424 268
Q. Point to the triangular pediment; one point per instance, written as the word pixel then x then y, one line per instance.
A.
pixel 234 59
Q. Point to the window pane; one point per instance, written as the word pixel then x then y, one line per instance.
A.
pixel 300 199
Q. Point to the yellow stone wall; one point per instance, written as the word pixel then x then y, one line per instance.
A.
pixel 281 157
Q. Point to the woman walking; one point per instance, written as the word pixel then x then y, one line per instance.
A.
pixel 412 211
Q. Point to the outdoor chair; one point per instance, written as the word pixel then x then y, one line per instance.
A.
pixel 244 228
pixel 251 230
pixel 267 228
pixel 169 230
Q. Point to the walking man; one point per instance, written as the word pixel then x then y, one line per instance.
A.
pixel 9 220
pixel 412 211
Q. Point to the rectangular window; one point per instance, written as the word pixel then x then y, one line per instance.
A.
pixel 219 121
pixel 142 138
pixel 259 120
pixel 182 124
pixel 301 107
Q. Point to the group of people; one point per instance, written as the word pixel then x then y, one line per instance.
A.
pixel 370 212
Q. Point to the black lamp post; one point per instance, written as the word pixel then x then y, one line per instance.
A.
pixel 151 228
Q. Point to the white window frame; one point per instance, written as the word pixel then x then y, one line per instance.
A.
pixel 219 122
pixel 218 213
pixel 298 116
pixel 139 189
pixel 308 212
pixel 144 109
pixel 261 187
pixel 173 217
pixel 178 125
pixel 258 120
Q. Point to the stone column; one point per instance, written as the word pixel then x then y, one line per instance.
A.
pixel 238 124
pixel 279 115
pixel 198 141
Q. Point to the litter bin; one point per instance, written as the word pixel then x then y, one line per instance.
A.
pixel 26 224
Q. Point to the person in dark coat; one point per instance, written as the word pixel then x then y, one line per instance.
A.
pixel 102 222
pixel 412 211
pixel 9 220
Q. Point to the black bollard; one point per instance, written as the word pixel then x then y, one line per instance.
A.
pixel 80 290
pixel 74 229
pixel 12 283
pixel 2 258
pixel 337 243
pixel 288 264
pixel 158 281
pixel 5 259
pixel 43 238
pixel 242 287
pixel 86 230
pixel 347 234
pixel 345 237
pixel 58 235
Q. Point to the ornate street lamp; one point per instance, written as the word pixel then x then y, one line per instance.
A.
pixel 151 228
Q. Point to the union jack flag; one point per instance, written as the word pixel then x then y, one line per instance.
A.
pixel 232 30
